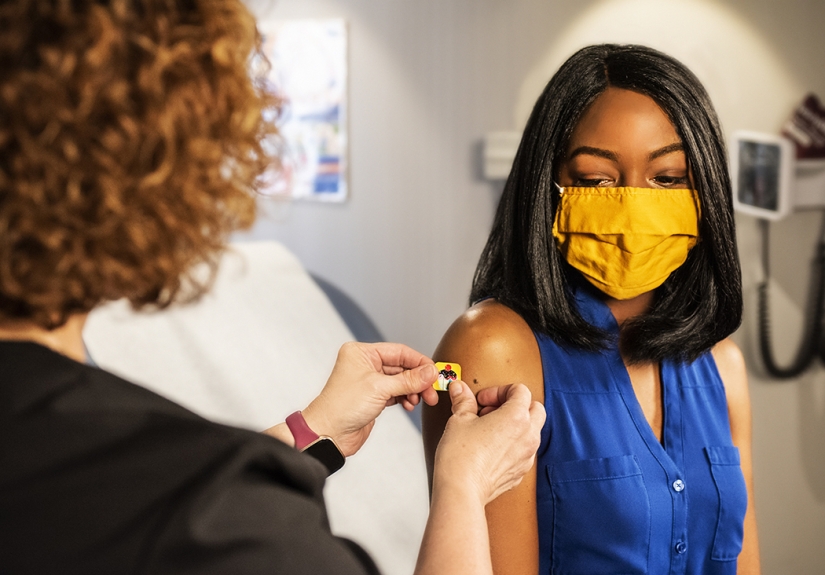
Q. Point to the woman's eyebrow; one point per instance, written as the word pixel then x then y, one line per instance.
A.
pixel 607 154
pixel 677 147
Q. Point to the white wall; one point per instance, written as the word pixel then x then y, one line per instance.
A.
pixel 429 77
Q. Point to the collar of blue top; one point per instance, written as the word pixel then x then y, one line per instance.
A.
pixel 592 306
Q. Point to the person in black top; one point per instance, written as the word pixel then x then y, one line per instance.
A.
pixel 130 147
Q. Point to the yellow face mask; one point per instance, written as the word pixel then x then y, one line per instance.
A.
pixel 626 241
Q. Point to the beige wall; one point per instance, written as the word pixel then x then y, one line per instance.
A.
pixel 428 78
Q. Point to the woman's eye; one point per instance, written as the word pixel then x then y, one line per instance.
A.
pixel 671 181
pixel 592 182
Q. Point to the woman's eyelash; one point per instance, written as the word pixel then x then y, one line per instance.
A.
pixel 671 180
pixel 590 183
pixel 660 180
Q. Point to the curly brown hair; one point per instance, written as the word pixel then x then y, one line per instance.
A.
pixel 130 148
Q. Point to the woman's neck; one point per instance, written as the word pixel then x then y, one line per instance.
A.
pixel 625 309
pixel 66 339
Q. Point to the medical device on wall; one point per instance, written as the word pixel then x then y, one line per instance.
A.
pixel 768 180
pixel 761 170
pixel 772 176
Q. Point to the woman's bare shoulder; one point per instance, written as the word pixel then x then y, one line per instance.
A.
pixel 489 324
pixel 494 346
pixel 730 363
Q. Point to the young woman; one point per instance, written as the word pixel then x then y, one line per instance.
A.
pixel 609 285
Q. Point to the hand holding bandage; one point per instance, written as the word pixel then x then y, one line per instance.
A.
pixel 366 379
pixel 491 439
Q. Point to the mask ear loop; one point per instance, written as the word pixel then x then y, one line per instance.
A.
pixel 559 188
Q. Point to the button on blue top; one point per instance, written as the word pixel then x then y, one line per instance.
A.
pixel 612 498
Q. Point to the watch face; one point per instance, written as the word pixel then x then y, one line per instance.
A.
pixel 325 451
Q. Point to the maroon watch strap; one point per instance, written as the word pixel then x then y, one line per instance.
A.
pixel 300 430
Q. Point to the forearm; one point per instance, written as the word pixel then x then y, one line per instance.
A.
pixel 456 540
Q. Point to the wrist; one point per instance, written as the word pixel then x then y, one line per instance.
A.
pixel 460 486
pixel 282 433
pixel 315 417
pixel 321 447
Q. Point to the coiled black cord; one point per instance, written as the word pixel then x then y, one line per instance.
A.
pixel 812 342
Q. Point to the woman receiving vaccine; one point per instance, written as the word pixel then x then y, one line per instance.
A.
pixel 609 285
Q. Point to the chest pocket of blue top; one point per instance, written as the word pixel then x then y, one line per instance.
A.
pixel 733 501
pixel 601 517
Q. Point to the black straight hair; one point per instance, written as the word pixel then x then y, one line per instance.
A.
pixel 521 266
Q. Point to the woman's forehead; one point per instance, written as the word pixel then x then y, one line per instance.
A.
pixel 621 120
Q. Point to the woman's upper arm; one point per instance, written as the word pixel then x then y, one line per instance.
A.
pixel 731 366
pixel 494 346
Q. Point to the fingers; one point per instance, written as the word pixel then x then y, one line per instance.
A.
pixel 464 402
pixel 395 373
pixel 392 356
pixel 409 402
pixel 538 415
pixel 430 395
pixel 409 372
pixel 490 454
pixel 486 410
pixel 407 387
pixel 414 381
pixel 494 397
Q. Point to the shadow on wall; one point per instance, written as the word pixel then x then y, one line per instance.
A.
pixel 728 55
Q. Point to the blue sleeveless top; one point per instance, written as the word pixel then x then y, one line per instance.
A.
pixel 611 498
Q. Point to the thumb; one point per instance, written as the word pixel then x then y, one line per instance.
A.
pixel 463 399
pixel 538 415
pixel 413 380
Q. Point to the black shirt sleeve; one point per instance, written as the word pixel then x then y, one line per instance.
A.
pixel 258 513
pixel 99 476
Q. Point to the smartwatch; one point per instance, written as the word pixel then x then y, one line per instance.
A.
pixel 320 447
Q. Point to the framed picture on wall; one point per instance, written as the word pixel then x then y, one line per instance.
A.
pixel 308 71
